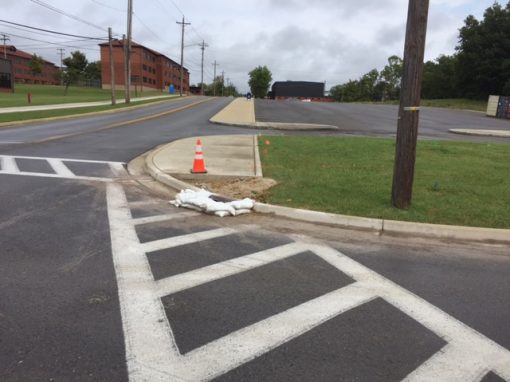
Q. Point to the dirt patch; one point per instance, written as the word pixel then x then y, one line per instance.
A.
pixel 237 188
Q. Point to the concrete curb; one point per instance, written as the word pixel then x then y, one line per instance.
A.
pixel 160 176
pixel 380 226
pixel 276 125
pixel 482 133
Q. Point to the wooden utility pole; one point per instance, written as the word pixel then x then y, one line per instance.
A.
pixel 112 66
pixel 202 46
pixel 182 52
pixel 222 82
pixel 5 38
pixel 127 91
pixel 61 51
pixel 214 79
pixel 409 111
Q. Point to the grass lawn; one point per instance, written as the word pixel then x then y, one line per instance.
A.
pixel 48 94
pixel 455 182
pixel 29 115
pixel 453 103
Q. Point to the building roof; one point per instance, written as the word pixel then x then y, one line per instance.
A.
pixel 13 51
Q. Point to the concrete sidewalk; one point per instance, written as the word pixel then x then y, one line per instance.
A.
pixel 241 112
pixel 225 156
pixel 23 109
pixel 484 133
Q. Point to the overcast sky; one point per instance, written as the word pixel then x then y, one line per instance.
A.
pixel 323 40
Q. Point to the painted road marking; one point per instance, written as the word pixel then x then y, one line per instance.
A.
pixel 218 271
pixel 143 203
pixel 153 354
pixel 9 166
pixel 177 241
pixel 165 217
pixel 60 168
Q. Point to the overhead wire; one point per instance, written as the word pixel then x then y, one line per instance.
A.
pixel 49 31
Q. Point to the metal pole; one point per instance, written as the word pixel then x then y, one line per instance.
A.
pixel 409 111
pixel 112 66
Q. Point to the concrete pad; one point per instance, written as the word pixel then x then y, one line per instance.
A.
pixel 223 156
pixel 485 133
pixel 239 111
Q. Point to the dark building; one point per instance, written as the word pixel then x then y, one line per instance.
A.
pixel 21 69
pixel 6 77
pixel 297 89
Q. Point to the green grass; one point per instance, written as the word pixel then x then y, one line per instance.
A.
pixel 25 116
pixel 462 104
pixel 452 103
pixel 455 182
pixel 48 95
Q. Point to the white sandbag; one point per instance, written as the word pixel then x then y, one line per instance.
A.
pixel 201 201
pixel 245 204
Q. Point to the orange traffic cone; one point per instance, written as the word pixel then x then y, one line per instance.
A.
pixel 198 163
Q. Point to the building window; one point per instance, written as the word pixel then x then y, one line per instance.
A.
pixel 145 79
pixel 144 67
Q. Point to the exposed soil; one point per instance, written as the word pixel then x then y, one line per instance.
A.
pixel 237 188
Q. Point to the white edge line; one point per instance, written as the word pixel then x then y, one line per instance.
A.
pixel 150 346
pixel 62 159
pixel 42 175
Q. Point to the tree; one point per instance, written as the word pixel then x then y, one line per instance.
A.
pixel 483 53
pixel 93 71
pixel 440 78
pixel 391 76
pixel 260 79
pixel 36 64
pixel 75 67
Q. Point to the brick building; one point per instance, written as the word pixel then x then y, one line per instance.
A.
pixel 150 70
pixel 22 73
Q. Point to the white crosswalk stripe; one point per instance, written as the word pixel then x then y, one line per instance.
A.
pixel 9 166
pixel 153 354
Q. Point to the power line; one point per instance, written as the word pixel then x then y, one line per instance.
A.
pixel 145 26
pixel 50 31
pixel 108 6
pixel 54 9
pixel 49 42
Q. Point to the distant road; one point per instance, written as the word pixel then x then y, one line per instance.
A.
pixel 379 120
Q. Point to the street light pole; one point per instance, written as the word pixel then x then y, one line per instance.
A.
pixel 409 110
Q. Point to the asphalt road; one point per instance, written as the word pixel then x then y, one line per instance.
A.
pixel 379 120
pixel 103 281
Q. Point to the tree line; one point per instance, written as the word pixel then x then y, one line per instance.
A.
pixel 479 67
